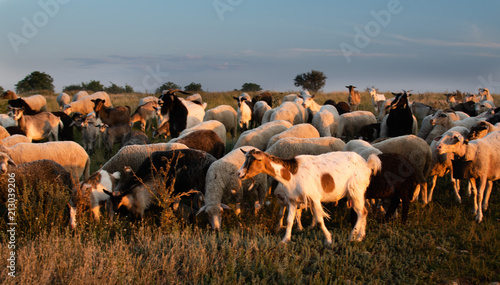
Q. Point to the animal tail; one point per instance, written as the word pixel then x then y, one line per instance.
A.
pixel 374 163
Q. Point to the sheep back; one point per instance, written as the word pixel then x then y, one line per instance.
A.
pixel 259 137
pixel 290 147
pixel 297 131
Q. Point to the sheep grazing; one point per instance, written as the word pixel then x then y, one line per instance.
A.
pixel 354 98
pixel 414 149
pixel 134 155
pixel 297 131
pixel 421 110
pixel 91 195
pixel 483 106
pixel 223 186
pixel 39 126
pixel 135 138
pixel 212 125
pixel 15 139
pixel 445 119
pixel 396 181
pixel 144 114
pixel 63 99
pixel 482 164
pixel 226 115
pixel 290 112
pixel 480 130
pixel 324 178
pixel 290 147
pixel 36 103
pixel 163 171
pixel 85 105
pixel 342 107
pixel 351 123
pixel 259 137
pixel 79 95
pixel 259 110
pixel 91 134
pixel 377 100
pixel 326 121
pixel 206 140
pixel 361 147
pixel 68 154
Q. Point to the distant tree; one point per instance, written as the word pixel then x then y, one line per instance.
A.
pixel 312 81
pixel 194 87
pixel 1 89
pixel 72 87
pixel 128 88
pixel 166 86
pixel 93 85
pixel 114 89
pixel 247 87
pixel 36 81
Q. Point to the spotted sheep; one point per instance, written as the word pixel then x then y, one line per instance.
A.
pixel 315 179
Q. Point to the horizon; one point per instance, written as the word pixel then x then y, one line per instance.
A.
pixel 435 47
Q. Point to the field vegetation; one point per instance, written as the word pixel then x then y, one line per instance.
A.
pixel 440 244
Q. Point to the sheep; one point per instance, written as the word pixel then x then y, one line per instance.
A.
pixel 484 164
pixel 15 139
pixel 197 99
pixel 361 147
pixel 480 130
pixel 483 106
pixel 297 131
pixel 85 104
pixel 259 109
pixel 147 99
pixel 63 99
pixel 342 107
pixel 223 186
pixel 6 121
pixel 213 125
pixel 37 127
pixel 135 138
pixel 377 99
pixel 309 104
pixel 245 115
pixel 91 134
pixel 441 164
pixel 145 113
pixel 183 171
pixel 36 103
pixel 351 123
pixel 79 95
pixel 4 132
pixel 421 110
pixel 227 116
pixel 444 119
pixel 384 109
pixel 113 134
pixel 265 96
pixel 90 195
pixel 259 137
pixel 414 149
pixel 134 155
pixel 68 154
pixel 326 121
pixel 324 178
pixel 267 116
pixel 354 98
pixel 206 140
pixel 288 111
pixel 484 95
pixel 289 98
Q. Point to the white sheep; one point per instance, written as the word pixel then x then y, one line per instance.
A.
pixel 267 116
pixel 7 121
pixel 147 99
pixel 326 121
pixel 68 154
pixel 415 150
pixel 91 134
pixel 480 130
pixel 361 147
pixel 134 155
pixel 3 133
pixel 85 105
pixel 309 104
pixel 79 95
pixel 446 120
pixel 259 137
pixel 225 114
pixel 259 110
pixel 290 112
pixel 297 131
pixel 15 139
pixel 351 123
pixel 289 98
pixel 223 186
pixel 384 109
pixel 484 167
pixel 290 147
pixel 63 99
pixel 213 125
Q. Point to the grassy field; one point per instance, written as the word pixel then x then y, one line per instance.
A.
pixel 440 244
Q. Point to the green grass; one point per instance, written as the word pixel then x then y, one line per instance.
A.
pixel 441 243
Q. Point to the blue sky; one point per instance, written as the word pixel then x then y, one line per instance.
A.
pixel 390 44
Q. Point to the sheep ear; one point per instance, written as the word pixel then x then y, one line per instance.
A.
pixel 11 162
pixel 224 206
pixel 201 210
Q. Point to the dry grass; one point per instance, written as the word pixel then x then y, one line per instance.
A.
pixel 440 244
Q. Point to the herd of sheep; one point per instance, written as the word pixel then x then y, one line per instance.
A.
pixel 302 152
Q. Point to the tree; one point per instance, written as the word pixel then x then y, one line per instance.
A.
pixel 72 87
pixel 36 81
pixel 166 86
pixel 1 89
pixel 312 81
pixel 247 87
pixel 93 85
pixel 194 87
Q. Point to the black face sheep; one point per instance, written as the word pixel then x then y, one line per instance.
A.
pixel 206 140
pixel 179 171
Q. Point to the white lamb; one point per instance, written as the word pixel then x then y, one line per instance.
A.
pixel 326 121
pixel 226 115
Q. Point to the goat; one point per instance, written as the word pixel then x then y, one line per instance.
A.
pixel 480 130
pixel 354 98
pixel 111 116
pixel 145 113
pixel 377 99
pixel 324 178
pixel 112 135
pixel 400 119
pixel 39 126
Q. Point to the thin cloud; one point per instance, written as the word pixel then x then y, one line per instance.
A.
pixel 443 43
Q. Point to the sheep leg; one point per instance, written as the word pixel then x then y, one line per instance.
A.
pixel 392 207
pixel 109 207
pixel 425 198
pixel 318 215
pixel 456 187
pixel 281 214
pixel 433 185
pixel 487 195
pixel 416 193
pixel 298 218
pixel 482 185
pixel 292 208
pixel 472 184
pixel 358 232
